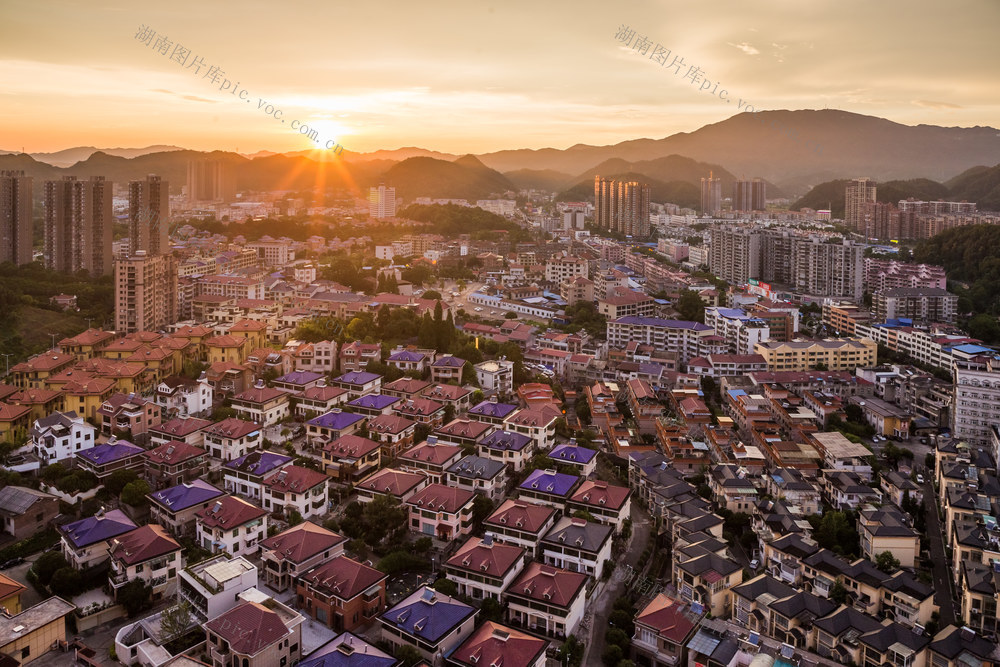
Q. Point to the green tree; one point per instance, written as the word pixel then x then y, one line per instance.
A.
pixel 482 507
pixel 295 518
pixel 118 480
pixel 582 409
pixel 407 655
pixel 66 583
pixel 886 562
pixel 984 327
pixel 446 587
pixel 690 306
pixel 175 620
pixel 134 493
pixel 571 652
pixel 613 654
pixel 48 564
pixel 491 610
pixel 838 593
pixel 136 596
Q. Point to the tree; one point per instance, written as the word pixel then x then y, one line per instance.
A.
pixel 295 518
pixel 491 610
pixel 136 596
pixel 48 564
pixel 838 593
pixel 886 562
pixel 571 652
pixel 612 655
pixel 482 507
pixel 66 583
pixel 432 294
pixel 407 655
pixel 134 493
pixel 175 620
pixel 118 480
pixel 446 587
pixel 984 327
pixel 690 306
pixel 855 413
pixel 582 409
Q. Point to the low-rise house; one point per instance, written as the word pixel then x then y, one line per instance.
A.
pixel 255 633
pixel 538 423
pixel 578 545
pixel 260 404
pixel 894 644
pixel 495 644
pixel 428 621
pixel 408 361
pixel 182 397
pixel 85 395
pixel 374 405
pixel 978 586
pixel 792 487
pixel 441 511
pixel 406 388
pixel 751 600
pixel 479 475
pixel 232 438
pixel 342 593
pixel 347 650
pixel 359 383
pixel 514 449
pixel 296 489
pixel 102 460
pixel 25 511
pixel 484 568
pixel 40 629
pixel 897 487
pixel 85 543
pixel 792 617
pixel 394 433
pixel 354 356
pixel 213 586
pixel 953 646
pixel 390 482
pixel 61 436
pixel 662 630
pixel 175 507
pixel 334 424
pixel 732 488
pixel 297 382
pixel 547 600
pixel 289 554
pixel 608 504
pixel 521 523
pixel 231 525
pixel 496 376
pixel 320 356
pixel 581 458
pixel 887 529
pixel 783 557
pixel 15 422
pixel 491 411
pixel 319 400
pixel 447 369
pixel 174 463
pixel 836 634
pixel 422 410
pixel 431 458
pixel 350 458
pixel 548 487
pixel 10 595
pixel 450 394
pixel 706 578
pixel 245 475
pixel 148 554
pixel 189 430
pixel 464 432
pixel 846 490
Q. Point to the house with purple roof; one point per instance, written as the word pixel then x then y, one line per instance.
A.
pixel 581 458
pixel 102 460
pixel 296 382
pixel 408 360
pixel 85 543
pixel 373 405
pixel 359 383
pixel 174 508
pixel 332 425
pixel 492 412
pixel 347 650
pixel 548 487
pixel 245 475
pixel 428 621
pixel 507 447
pixel 447 369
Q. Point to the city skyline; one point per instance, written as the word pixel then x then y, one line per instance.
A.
pixel 485 79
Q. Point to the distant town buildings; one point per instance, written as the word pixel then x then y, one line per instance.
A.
pixel 860 191
pixel 149 216
pixel 210 181
pixel 382 202
pixel 145 292
pixel 79 225
pixel 750 195
pixel 621 206
pixel 15 217
pixel 711 195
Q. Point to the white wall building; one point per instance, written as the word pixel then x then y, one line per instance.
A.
pixel 60 436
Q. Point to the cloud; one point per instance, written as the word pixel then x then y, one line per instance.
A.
pixel 929 104
pixel 745 48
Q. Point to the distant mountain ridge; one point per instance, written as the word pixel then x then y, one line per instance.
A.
pixel 71 156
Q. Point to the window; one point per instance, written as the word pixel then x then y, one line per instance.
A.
pixel 25 652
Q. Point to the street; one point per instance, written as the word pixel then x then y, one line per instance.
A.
pixel 942 574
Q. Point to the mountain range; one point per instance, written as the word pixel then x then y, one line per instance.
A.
pixel 780 146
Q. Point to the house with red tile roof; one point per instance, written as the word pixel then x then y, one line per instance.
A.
pixel 289 554
pixel 255 634
pixel 538 423
pixel 342 593
pixel 231 525
pixel 174 463
pixel 395 433
pixel 264 405
pixel 484 568
pixel 232 438
pixel 441 511
pixel 188 430
pixel 663 629
pixel 431 458
pixel 397 484
pixel 405 387
pixel 495 644
pixel 147 553
pixel 450 394
pixel 608 504
pixel 521 523
pixel 465 432
pixel 547 600
pixel 297 489
pixel 422 410
pixel 350 458
pixel 319 400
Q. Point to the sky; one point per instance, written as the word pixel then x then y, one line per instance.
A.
pixel 474 76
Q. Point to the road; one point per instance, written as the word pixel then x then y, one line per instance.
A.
pixel 615 587
pixel 942 574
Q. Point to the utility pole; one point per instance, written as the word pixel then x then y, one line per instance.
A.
pixel 6 358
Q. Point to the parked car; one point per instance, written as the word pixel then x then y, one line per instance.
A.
pixel 11 563
pixel 920 479
pixel 754 564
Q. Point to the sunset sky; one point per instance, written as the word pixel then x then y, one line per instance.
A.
pixel 476 76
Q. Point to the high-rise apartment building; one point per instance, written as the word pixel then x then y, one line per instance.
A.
pixel 711 195
pixel 750 195
pixel 823 268
pixel 149 215
pixel 79 225
pixel 145 292
pixel 734 254
pixel 15 217
pixel 621 206
pixel 382 202
pixel 210 181
pixel 977 399
pixel 860 191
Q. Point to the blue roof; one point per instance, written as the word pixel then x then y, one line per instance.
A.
pixel 427 615
pixel 336 420
pixel 407 355
pixel 375 401
pixel 356 653
pixel 358 377
pixel 258 463
pixel 449 362
pixel 110 452
pixel 969 348
pixel 550 482
pixel 183 496
pixel 506 440
pixel 572 453
pixel 490 409
pixel 660 322
pixel 94 529
pixel 731 312
pixel 300 377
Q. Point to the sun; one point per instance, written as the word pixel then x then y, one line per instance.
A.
pixel 329 130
